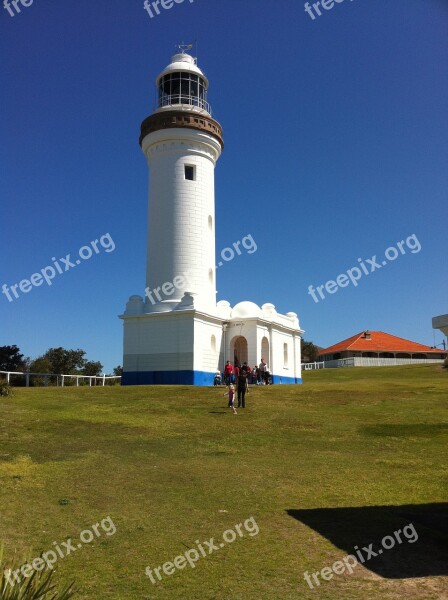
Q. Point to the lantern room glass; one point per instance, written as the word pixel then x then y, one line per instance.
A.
pixel 183 88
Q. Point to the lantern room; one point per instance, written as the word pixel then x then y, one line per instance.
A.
pixel 182 83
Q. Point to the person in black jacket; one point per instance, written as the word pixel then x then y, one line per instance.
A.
pixel 242 387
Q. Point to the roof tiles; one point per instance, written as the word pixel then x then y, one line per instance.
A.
pixel 378 342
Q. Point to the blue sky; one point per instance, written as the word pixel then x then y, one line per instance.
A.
pixel 336 148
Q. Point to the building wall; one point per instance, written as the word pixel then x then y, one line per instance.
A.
pixel 206 355
pixel 254 331
pixel 171 348
pixel 291 368
pixel 380 354
pixel 248 330
pixel 162 342
pixel 176 347
pixel 377 362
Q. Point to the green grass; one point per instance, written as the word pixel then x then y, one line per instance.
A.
pixel 171 465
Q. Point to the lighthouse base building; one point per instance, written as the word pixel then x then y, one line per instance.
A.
pixel 187 346
pixel 178 333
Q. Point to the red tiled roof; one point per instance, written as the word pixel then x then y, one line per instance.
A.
pixel 378 342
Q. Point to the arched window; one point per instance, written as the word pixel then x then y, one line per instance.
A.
pixel 265 350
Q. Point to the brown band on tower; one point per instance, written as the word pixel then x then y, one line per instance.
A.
pixel 179 118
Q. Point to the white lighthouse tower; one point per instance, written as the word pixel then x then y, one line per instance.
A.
pixel 177 333
pixel 182 143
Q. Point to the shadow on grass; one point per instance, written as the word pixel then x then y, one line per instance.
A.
pixel 219 410
pixel 361 526
pixel 405 430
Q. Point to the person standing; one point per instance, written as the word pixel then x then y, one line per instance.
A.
pixel 263 368
pixel 267 376
pixel 231 395
pixel 254 375
pixel 242 387
pixel 228 370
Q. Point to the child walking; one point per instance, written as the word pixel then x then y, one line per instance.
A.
pixel 231 394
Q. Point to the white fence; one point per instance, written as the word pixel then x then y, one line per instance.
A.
pixel 313 366
pixel 59 378
pixel 360 361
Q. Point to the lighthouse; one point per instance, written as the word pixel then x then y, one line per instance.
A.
pixel 182 143
pixel 177 332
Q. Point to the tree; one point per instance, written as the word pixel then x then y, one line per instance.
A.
pixel 92 368
pixel 309 351
pixel 41 365
pixel 11 359
pixel 118 371
pixel 65 361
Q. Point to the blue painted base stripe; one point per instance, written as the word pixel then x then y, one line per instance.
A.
pixel 287 380
pixel 167 378
pixel 202 378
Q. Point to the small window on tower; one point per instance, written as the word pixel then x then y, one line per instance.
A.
pixel 190 172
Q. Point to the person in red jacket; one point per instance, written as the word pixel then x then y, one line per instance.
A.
pixel 228 370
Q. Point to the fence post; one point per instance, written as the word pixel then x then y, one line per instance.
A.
pixel 7 377
pixel 62 380
pixel 27 379
pixel 104 380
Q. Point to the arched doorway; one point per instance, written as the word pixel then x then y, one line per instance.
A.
pixel 238 350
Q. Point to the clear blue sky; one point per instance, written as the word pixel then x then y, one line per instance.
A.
pixel 336 148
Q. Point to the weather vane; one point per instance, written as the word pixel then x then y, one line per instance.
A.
pixel 184 47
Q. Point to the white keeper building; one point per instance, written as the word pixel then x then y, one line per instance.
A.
pixel 178 333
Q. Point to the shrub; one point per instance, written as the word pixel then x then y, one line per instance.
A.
pixel 39 586
pixel 5 389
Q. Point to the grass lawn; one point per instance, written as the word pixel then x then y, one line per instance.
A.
pixel 343 460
